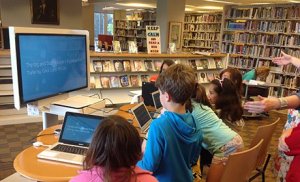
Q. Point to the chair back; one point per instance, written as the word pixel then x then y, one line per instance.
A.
pixel 263 132
pixel 240 165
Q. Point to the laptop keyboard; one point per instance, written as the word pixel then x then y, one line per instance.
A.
pixel 70 149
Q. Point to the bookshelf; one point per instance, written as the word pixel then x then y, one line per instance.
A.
pixel 115 81
pixel 201 32
pixel 252 35
pixel 6 88
pixel 133 28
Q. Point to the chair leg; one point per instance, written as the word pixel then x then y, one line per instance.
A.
pixel 262 171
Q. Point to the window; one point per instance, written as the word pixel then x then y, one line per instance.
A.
pixel 103 24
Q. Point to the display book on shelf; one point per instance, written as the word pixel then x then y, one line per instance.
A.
pixel 130 70
pixel 201 31
pixel 253 35
pixel 133 28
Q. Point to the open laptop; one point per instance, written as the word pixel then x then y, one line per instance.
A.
pixel 142 115
pixel 75 137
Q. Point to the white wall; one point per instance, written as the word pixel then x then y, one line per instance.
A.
pixel 18 13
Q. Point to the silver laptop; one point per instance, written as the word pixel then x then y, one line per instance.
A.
pixel 142 115
pixel 156 101
pixel 75 137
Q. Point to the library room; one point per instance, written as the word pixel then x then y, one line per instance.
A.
pixel 205 90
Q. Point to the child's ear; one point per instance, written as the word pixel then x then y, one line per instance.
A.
pixel 168 97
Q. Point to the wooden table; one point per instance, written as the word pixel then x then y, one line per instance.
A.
pixel 28 165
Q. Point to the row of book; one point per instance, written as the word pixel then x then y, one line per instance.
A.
pixel 202 27
pixel 117 81
pixel 267 39
pixel 264 26
pixel 130 33
pixel 203 18
pixel 136 80
pixel 202 35
pixel 276 12
pixel 125 65
pixel 281 92
pixel 284 80
pixel 133 24
pixel 200 43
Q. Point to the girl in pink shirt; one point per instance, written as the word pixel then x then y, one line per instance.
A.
pixel 113 154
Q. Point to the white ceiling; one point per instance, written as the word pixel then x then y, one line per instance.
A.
pixel 195 5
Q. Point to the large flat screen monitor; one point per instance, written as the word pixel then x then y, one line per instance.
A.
pixel 47 62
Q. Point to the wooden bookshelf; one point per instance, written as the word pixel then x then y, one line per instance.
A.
pixel 201 32
pixel 253 35
pixel 134 29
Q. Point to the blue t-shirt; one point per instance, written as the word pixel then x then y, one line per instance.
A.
pixel 173 144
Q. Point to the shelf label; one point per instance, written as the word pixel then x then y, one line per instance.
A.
pixel 153 39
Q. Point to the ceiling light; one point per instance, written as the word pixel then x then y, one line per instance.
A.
pixel 294 1
pixel 210 7
pixel 225 2
pixel 109 8
pixel 138 5
pixel 189 9
pixel 259 3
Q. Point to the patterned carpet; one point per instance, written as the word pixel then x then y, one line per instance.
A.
pixel 15 138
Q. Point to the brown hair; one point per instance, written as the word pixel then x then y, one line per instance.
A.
pixel 235 76
pixel 115 144
pixel 167 62
pixel 178 81
pixel 228 100
pixel 199 96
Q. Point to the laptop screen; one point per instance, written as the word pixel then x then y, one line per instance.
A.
pixel 78 129
pixel 141 114
pixel 147 89
pixel 156 100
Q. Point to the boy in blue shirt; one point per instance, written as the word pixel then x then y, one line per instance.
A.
pixel 173 140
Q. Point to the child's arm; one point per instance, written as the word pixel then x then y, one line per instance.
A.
pixel 153 151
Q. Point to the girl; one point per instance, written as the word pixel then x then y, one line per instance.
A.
pixel 218 138
pixel 235 76
pixel 113 154
pixel 226 99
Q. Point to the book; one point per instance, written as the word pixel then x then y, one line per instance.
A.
pixel 204 63
pixel 134 80
pixel 199 65
pixel 116 46
pixel 219 63
pixel 145 78
pixel 210 77
pixel 97 65
pixel 127 66
pixel 202 77
pixel 149 65
pixel 106 66
pixel 92 82
pixel 97 82
pixel 118 64
pixel 105 82
pixel 138 65
pixel 124 80
pixel 211 63
pixel 193 64
pixel 114 82
pixel 157 65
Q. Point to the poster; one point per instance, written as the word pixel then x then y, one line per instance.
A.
pixel 153 39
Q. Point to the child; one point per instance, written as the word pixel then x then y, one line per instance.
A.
pixel 113 154
pixel 218 138
pixel 224 95
pixel 289 143
pixel 173 140
pixel 235 76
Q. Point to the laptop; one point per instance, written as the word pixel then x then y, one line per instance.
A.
pixel 142 115
pixel 75 137
pixel 147 89
pixel 156 101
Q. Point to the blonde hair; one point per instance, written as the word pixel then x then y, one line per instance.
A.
pixel 262 72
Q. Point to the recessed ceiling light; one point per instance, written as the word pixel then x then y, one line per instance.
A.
pixel 259 3
pixel 292 1
pixel 189 9
pixel 109 8
pixel 138 5
pixel 210 7
pixel 225 2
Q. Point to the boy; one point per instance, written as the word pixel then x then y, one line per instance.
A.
pixel 173 140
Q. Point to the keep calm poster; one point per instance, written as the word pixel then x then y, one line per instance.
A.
pixel 153 39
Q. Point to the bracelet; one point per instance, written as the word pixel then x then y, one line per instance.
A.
pixel 283 103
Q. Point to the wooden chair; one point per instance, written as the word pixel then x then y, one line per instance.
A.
pixel 263 132
pixel 240 165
